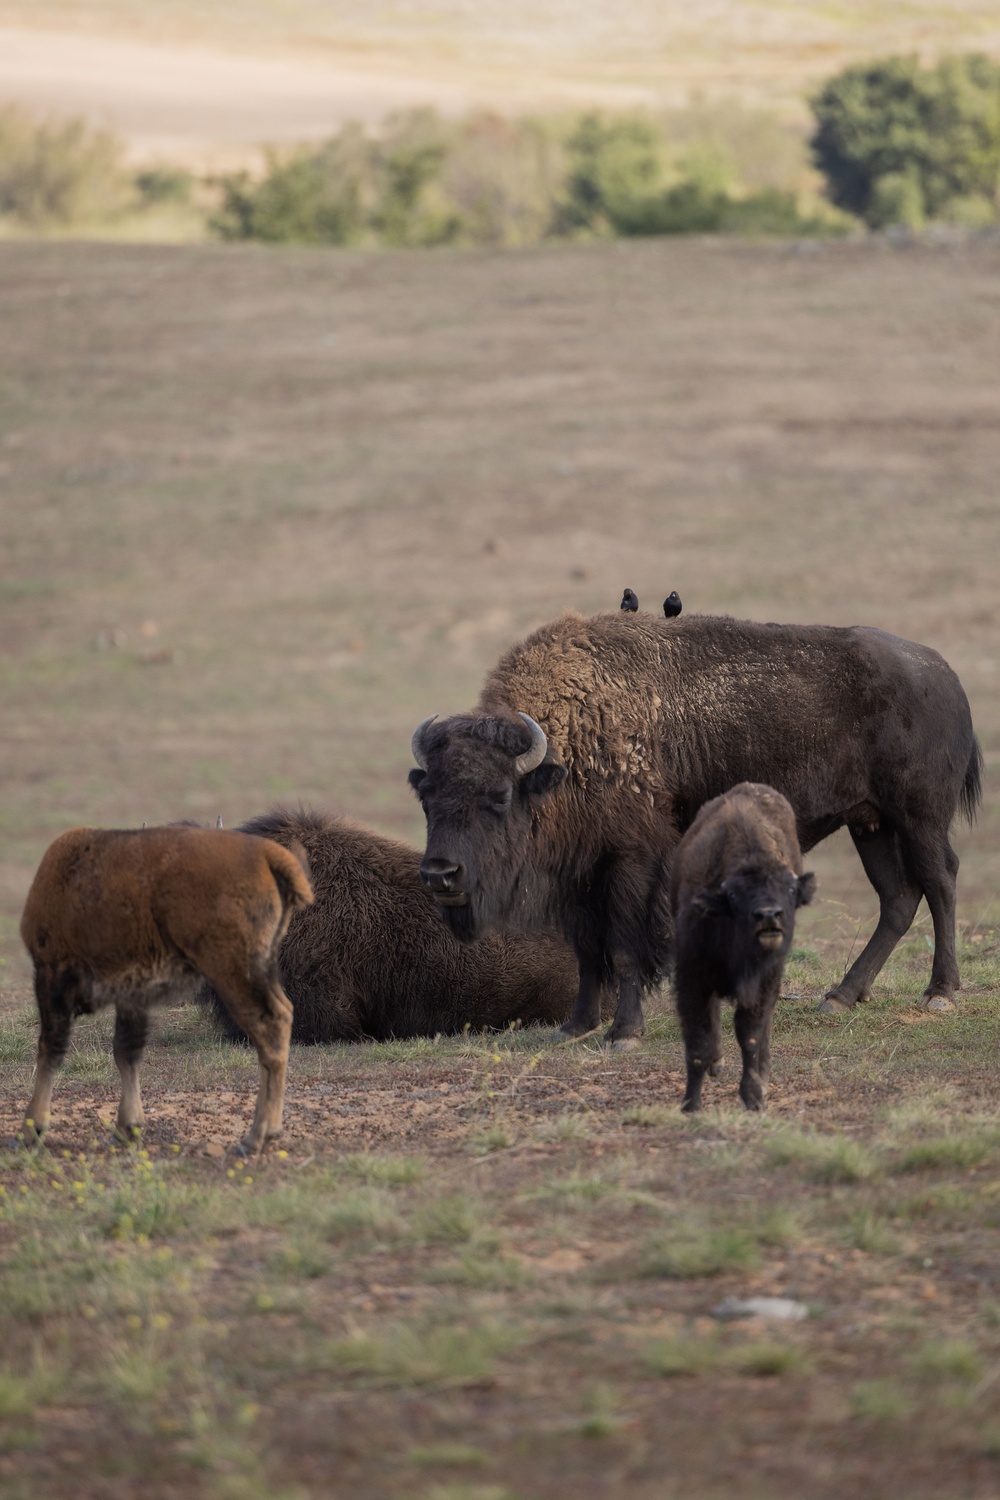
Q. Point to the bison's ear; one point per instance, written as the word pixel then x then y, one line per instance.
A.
pixel 805 889
pixel 711 903
pixel 543 779
pixel 415 777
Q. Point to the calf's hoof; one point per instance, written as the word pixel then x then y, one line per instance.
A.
pixel 690 1106
pixel 126 1135
pixel 832 1005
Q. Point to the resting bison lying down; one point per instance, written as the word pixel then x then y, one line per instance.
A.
pixel 372 958
pixel 131 918
pixel 560 798
pixel 735 885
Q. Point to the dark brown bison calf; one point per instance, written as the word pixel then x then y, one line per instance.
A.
pixel 372 959
pixel 129 918
pixel 735 885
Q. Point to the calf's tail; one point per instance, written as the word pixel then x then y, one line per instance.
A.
pixel 290 868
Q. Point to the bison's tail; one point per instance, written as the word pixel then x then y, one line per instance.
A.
pixel 972 787
pixel 290 868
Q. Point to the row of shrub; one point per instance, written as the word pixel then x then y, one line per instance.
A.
pixel 894 143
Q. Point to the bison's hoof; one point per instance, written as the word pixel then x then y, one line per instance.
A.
pixel 830 1005
pixel 690 1106
pixel 622 1043
pixel 715 1068
pixel 938 1005
pixel 127 1135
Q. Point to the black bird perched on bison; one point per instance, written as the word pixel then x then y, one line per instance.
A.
pixel 629 601
pixel 734 888
pixel 560 798
pixel 373 958
pixel 672 605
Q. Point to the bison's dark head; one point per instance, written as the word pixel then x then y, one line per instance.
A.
pixel 760 901
pixel 479 783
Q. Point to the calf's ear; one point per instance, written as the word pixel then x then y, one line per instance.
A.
pixel 711 903
pixel 544 779
pixel 805 889
pixel 415 777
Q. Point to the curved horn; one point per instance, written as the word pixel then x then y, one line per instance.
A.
pixel 535 753
pixel 416 744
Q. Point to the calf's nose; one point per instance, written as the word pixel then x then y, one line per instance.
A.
pixel 441 875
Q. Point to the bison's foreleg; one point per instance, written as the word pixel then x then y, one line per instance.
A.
pixel 752 1024
pixel 700 1023
pixel 628 1024
pixel 586 1015
pixel 55 1015
pixel 131 1029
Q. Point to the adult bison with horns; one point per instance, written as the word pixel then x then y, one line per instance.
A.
pixel 595 742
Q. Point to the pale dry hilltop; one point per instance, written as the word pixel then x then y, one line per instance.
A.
pixel 211 83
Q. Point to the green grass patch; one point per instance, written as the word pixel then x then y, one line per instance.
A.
pixel 691 1250
pixel 682 1355
pixel 402 1355
pixel 822 1158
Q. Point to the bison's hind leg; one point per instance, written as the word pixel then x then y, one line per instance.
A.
pixel 260 1006
pixel 899 891
pixel 131 1031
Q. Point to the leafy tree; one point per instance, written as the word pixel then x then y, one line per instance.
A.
pixel 900 143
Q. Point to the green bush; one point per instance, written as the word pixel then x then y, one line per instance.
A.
pixel 57 175
pixel 491 181
pixel 900 144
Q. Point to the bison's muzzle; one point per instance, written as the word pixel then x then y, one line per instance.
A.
pixel 442 880
pixel 769 929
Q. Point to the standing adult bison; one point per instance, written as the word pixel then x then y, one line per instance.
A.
pixel 596 741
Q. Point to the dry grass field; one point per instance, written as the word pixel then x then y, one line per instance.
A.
pixel 262 511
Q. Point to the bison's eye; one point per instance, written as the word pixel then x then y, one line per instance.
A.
pixel 498 802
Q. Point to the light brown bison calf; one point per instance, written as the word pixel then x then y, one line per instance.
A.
pixel 127 918
pixel 736 882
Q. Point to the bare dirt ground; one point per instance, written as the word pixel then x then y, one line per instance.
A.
pixel 209 84
pixel 261 512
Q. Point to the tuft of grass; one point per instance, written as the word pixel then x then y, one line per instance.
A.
pixel 601 1417
pixel 653 1115
pixel 386 1169
pixel 20 1395
pixel 701 1251
pixel 448 1455
pixel 866 1229
pixel 402 1355
pixel 362 1215
pixel 302 1257
pixel 767 1357
pixel 822 1158
pixel 483 1267
pixel 948 1359
pixel 954 1151
pixel 449 1220
pixel 684 1355
pixel 492 1138
pixel 879 1401
pixel 568 1126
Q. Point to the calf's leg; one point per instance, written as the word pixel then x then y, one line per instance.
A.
pixel 131 1030
pixel 699 1013
pixel 54 994
pixel 752 1024
pixel 259 1004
